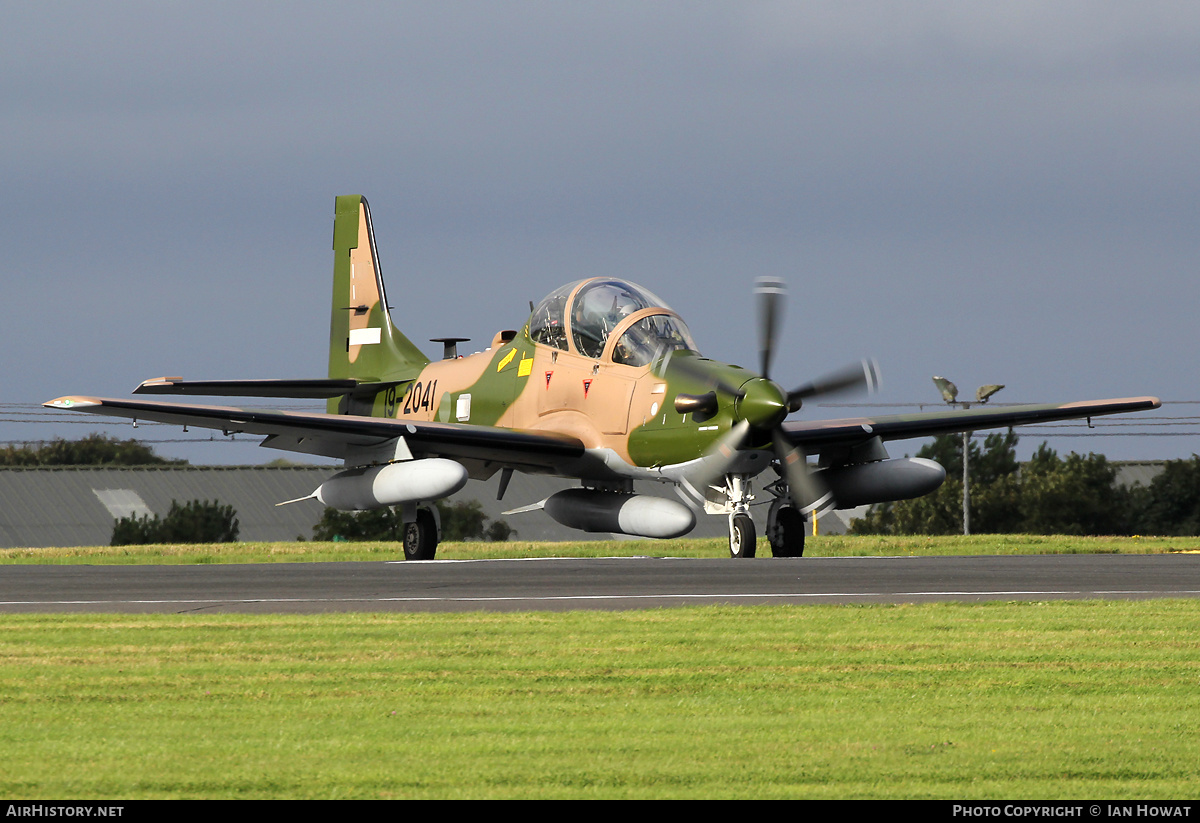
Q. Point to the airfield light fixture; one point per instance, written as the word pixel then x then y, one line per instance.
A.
pixel 984 392
pixel 949 390
pixel 949 393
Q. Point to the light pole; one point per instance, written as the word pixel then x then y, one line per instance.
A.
pixel 950 395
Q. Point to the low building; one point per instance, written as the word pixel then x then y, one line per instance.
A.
pixel 77 506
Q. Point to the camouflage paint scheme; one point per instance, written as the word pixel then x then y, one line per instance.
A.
pixel 516 383
pixel 534 401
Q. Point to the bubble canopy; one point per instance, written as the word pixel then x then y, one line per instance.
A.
pixel 582 316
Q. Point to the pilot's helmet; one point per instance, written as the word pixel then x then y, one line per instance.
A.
pixel 624 305
pixel 593 304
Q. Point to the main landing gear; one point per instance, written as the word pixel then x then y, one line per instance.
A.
pixel 785 532
pixel 785 529
pixel 786 525
pixel 422 532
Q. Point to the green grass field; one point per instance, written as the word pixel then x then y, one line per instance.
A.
pixel 1061 700
pixel 1020 700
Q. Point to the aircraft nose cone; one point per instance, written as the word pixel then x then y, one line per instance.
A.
pixel 764 404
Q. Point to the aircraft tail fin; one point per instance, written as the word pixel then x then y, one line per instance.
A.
pixel 364 345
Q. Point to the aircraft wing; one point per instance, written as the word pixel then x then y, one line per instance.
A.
pixel 815 435
pixel 336 435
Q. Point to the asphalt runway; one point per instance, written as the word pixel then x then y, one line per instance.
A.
pixel 610 583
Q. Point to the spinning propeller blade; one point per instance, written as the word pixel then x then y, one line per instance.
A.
pixel 771 294
pixel 857 376
pixel 760 406
pixel 759 412
pixel 807 491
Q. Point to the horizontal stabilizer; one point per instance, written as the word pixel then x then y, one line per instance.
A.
pixel 308 388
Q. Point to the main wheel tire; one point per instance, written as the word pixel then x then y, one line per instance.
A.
pixel 741 536
pixel 786 533
pixel 421 537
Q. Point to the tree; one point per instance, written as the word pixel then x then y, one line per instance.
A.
pixel 460 521
pixel 194 522
pixel 93 450
pixel 994 492
pixel 936 513
pixel 466 521
pixel 1171 505
pixel 135 531
pixel 1076 495
pixel 499 532
pixel 1048 495
pixel 377 524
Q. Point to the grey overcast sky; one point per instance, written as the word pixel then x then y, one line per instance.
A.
pixel 995 192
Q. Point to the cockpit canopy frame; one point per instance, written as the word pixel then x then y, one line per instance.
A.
pixel 611 319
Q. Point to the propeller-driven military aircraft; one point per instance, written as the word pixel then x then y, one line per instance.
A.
pixel 603 384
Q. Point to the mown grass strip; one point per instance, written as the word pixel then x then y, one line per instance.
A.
pixel 820 546
pixel 1017 700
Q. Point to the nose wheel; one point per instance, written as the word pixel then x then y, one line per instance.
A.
pixel 741 535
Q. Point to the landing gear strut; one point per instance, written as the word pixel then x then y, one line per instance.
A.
pixel 785 523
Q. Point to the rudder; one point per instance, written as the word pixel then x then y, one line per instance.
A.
pixel 364 344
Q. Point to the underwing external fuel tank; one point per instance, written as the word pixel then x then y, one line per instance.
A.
pixel 641 515
pixel 410 481
pixel 899 478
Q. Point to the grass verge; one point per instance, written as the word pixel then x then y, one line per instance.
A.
pixel 1005 700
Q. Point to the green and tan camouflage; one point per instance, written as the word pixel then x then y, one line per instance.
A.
pixel 364 345
pixel 602 384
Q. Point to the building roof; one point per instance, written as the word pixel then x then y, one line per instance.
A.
pixel 1137 472
pixel 77 506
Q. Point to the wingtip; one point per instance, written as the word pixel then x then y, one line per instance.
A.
pixel 1147 402
pixel 70 402
pixel 1128 403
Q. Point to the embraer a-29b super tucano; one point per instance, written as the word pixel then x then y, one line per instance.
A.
pixel 603 384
